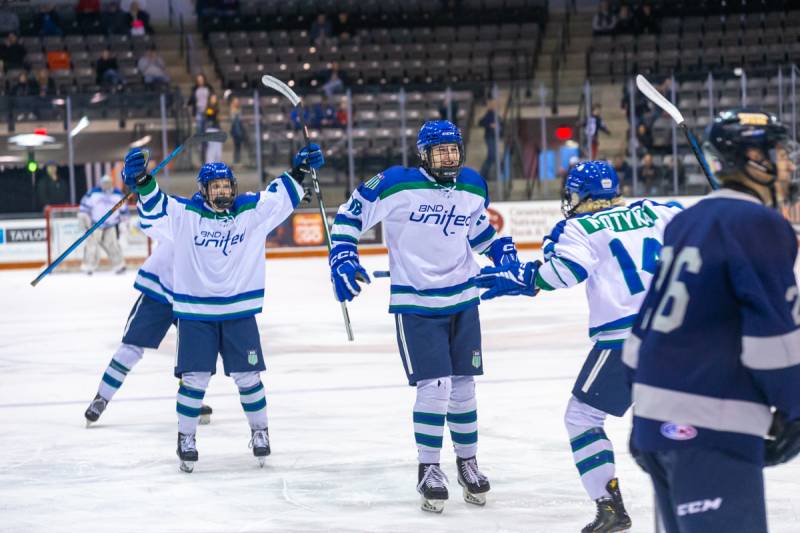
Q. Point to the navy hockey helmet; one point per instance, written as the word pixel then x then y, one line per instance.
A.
pixel 752 149
pixel 212 172
pixel 588 180
pixel 442 168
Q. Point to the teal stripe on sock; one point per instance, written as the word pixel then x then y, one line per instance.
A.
pixel 255 406
pixel 464 438
pixel 185 410
pixel 431 441
pixel 111 381
pixel 191 393
pixel 431 419
pixel 598 459
pixel 586 438
pixel 251 390
pixel 463 418
pixel 118 367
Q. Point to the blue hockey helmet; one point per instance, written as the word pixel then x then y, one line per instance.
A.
pixel 750 148
pixel 216 171
pixel 434 133
pixel 589 180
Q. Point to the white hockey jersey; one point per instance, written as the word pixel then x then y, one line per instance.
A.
pixel 617 250
pixel 154 278
pixel 218 266
pixel 97 202
pixel 431 232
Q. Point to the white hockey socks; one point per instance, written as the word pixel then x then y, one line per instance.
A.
pixel 462 417
pixel 430 410
pixel 191 391
pixel 591 450
pixel 253 398
pixel 122 362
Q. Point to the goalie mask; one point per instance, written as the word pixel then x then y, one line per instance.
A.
pixel 217 184
pixel 751 150
pixel 588 181
pixel 441 150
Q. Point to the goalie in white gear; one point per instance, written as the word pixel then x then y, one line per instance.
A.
pixel 94 204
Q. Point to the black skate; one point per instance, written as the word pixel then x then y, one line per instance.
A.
pixel 433 487
pixel 611 513
pixel 259 442
pixel 475 484
pixel 95 409
pixel 187 452
pixel 205 414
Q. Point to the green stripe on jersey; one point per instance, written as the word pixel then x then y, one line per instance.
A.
pixel 429 185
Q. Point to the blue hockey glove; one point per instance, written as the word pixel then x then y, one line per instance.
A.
pixel 511 279
pixel 346 272
pixel 502 251
pixel 135 171
pixel 310 156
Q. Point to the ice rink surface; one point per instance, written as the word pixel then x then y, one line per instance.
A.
pixel 343 456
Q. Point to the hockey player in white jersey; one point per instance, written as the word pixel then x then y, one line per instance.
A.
pixel 218 273
pixel 614 248
pixel 148 322
pixel 434 220
pixel 94 204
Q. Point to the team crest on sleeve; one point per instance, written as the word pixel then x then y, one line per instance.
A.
pixel 374 181
pixel 476 358
pixel 252 357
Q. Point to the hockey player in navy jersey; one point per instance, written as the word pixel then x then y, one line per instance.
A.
pixel 218 276
pixel 434 220
pixel 614 248
pixel 716 346
pixel 148 322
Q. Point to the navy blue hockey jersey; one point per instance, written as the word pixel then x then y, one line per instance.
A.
pixel 716 343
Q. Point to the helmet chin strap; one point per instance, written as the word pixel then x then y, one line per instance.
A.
pixel 769 183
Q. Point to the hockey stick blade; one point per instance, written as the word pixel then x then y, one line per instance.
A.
pixel 657 98
pixel 274 83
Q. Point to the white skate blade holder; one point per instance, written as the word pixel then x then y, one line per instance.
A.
pixel 187 466
pixel 204 420
pixel 474 499
pixel 432 506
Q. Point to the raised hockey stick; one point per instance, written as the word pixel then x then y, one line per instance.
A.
pixel 217 136
pixel 657 98
pixel 274 83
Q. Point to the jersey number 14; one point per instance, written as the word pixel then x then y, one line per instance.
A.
pixel 650 250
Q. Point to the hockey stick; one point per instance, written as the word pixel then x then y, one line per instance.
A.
pixel 657 98
pixel 274 83
pixel 217 136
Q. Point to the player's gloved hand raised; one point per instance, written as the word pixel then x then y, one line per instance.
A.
pixel 511 279
pixel 346 272
pixel 135 171
pixel 502 252
pixel 783 443
pixel 309 157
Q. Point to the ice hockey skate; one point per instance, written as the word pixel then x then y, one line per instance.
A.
pixel 472 480
pixel 432 486
pixel 95 409
pixel 187 452
pixel 259 442
pixel 205 414
pixel 611 514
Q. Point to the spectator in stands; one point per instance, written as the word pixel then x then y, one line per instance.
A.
pixel 139 20
pixel 625 21
pixel 644 134
pixel 604 21
pixel 12 54
pixel 341 114
pixel 152 68
pixel 238 133
pixel 48 22
pixel 24 85
pixel 107 70
pixel 625 174
pixel 342 27
pixel 334 83
pixel 114 20
pixel 88 13
pixel 325 114
pixel 50 188
pixel 594 125
pixel 646 20
pixel 294 116
pixel 198 101
pixel 47 86
pixel 213 149
pixel 651 176
pixel 489 122
pixel 9 22
pixel 453 112
pixel 321 29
